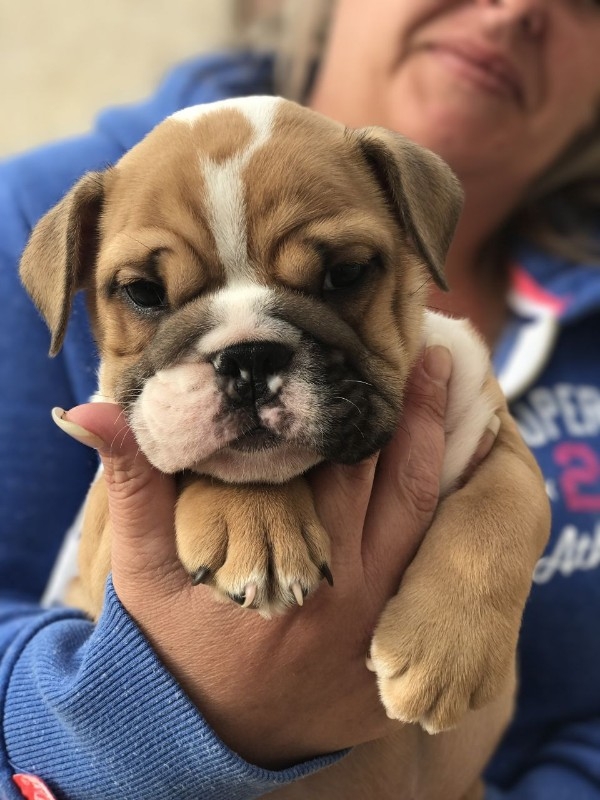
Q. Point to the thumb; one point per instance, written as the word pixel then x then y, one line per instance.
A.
pixel 406 488
pixel 141 499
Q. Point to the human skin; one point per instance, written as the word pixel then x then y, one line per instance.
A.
pixel 409 67
pixel 277 691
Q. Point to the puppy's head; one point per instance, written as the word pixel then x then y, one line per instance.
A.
pixel 254 275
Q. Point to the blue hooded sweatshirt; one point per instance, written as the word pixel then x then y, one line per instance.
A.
pixel 71 710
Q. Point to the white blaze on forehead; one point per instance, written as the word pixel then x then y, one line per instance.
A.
pixel 243 313
pixel 225 201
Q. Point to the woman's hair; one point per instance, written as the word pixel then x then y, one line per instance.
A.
pixel 561 210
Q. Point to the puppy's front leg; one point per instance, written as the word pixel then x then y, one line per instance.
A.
pixel 260 545
pixel 446 642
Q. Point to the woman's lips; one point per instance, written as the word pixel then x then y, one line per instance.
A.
pixel 487 70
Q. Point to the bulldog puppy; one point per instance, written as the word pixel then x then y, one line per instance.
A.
pixel 255 276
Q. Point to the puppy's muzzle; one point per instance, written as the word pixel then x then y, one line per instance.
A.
pixel 249 373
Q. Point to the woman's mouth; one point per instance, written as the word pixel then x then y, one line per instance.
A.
pixel 483 68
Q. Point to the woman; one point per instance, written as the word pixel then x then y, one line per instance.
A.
pixel 501 90
pixel 508 93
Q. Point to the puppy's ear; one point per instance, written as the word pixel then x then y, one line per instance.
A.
pixel 422 189
pixel 61 252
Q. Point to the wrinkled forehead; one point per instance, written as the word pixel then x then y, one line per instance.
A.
pixel 220 141
pixel 244 171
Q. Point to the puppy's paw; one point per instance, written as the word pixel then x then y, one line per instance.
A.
pixel 435 659
pixel 260 546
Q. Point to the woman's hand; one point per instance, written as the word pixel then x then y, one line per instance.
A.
pixel 283 690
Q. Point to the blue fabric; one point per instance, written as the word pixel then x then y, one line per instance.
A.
pixel 552 750
pixel 104 731
pixel 68 700
pixel 73 710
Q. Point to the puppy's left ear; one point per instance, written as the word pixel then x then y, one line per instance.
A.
pixel 422 189
pixel 60 253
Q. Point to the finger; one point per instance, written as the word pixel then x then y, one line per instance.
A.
pixel 406 487
pixel 341 493
pixel 141 499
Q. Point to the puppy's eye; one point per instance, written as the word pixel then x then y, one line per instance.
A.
pixel 146 294
pixel 343 276
pixel 346 276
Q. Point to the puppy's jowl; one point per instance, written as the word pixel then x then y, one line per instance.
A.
pixel 255 277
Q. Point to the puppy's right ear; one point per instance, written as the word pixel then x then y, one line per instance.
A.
pixel 61 252
pixel 421 188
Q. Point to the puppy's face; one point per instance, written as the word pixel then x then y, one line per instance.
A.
pixel 254 275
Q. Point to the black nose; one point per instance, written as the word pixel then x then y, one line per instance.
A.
pixel 249 367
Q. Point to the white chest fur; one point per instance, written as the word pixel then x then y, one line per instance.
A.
pixel 469 409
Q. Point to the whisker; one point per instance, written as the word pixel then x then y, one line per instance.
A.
pixel 149 249
pixel 437 308
pixel 345 399
pixel 122 431
pixel 358 429
pixel 420 288
pixel 403 426
pixel 354 380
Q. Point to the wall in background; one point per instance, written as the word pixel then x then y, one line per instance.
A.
pixel 61 61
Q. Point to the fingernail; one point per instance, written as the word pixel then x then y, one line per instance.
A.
pixel 437 361
pixel 76 431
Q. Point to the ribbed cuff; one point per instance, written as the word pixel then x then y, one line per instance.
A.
pixel 95 714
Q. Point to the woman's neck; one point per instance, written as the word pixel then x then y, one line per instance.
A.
pixel 477 275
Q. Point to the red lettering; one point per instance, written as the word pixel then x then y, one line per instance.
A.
pixel 580 480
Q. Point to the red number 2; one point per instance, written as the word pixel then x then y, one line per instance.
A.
pixel 581 472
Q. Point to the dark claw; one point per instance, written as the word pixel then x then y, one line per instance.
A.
pixel 240 599
pixel 326 573
pixel 200 576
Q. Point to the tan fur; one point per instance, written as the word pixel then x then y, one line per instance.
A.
pixel 251 523
pixel 445 644
pixel 411 765
pixel 459 667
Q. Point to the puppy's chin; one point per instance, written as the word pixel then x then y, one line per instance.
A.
pixel 270 465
